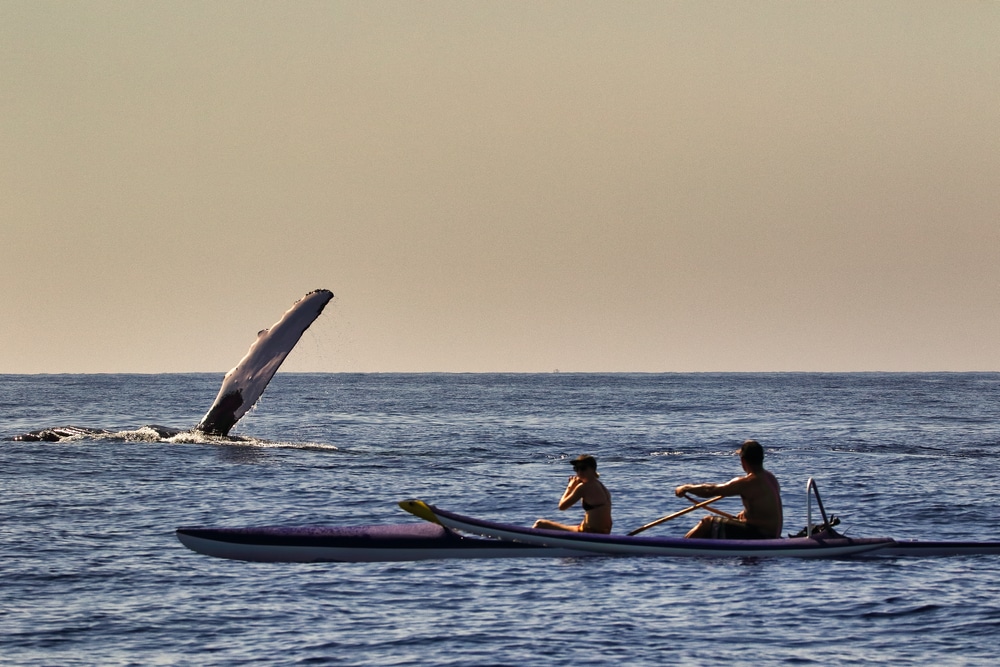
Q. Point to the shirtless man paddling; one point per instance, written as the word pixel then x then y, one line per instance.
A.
pixel 761 517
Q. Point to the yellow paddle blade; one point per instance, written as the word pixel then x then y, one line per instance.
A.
pixel 419 508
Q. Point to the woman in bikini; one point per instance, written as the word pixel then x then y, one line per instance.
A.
pixel 593 496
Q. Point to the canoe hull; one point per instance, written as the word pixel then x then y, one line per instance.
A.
pixel 354 544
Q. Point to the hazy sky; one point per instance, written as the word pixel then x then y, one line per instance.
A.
pixel 501 186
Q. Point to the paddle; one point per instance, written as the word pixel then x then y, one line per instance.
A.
pixel 713 510
pixel 694 507
pixel 419 508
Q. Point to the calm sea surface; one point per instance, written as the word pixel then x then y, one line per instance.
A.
pixel 91 573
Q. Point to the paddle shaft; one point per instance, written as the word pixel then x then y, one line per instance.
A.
pixel 713 510
pixel 682 512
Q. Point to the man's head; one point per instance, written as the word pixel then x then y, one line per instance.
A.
pixel 752 453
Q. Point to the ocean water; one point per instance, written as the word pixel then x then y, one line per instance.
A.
pixel 91 573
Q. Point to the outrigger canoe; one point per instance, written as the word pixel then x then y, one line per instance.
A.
pixel 436 541
pixel 450 535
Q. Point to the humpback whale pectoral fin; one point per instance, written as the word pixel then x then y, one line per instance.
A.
pixel 222 417
pixel 245 383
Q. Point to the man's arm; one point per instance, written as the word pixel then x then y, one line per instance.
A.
pixel 733 487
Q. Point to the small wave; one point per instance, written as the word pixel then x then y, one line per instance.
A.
pixel 198 438
pixel 144 434
pixel 309 446
pixel 911 611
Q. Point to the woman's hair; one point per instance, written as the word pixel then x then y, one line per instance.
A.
pixel 584 461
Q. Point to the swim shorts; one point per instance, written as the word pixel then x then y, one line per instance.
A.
pixel 727 529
